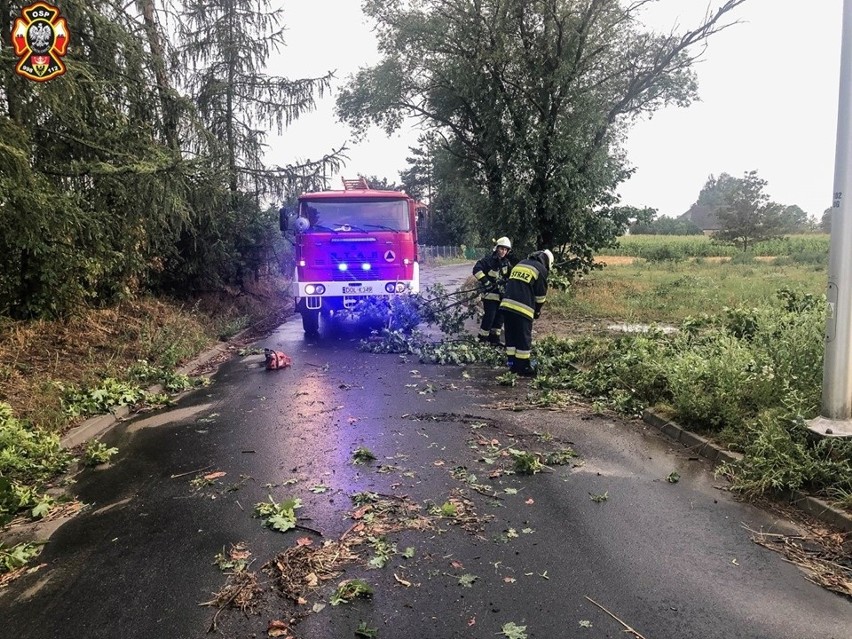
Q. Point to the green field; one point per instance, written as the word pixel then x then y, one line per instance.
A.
pixel 670 290
pixel 685 246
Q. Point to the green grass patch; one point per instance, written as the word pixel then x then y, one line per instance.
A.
pixel 670 292
pixel 681 247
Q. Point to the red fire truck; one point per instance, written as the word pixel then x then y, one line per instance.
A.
pixel 351 245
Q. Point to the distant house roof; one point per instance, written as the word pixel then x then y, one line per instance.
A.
pixel 703 216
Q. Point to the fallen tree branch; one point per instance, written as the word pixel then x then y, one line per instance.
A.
pixel 627 628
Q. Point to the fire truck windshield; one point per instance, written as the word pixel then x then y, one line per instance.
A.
pixel 358 214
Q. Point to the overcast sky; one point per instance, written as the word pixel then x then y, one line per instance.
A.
pixel 768 92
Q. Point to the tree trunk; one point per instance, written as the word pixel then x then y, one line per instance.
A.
pixel 167 105
pixel 229 105
pixel 14 99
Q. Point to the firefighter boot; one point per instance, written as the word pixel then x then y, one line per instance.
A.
pixel 524 368
pixel 494 339
pixel 510 362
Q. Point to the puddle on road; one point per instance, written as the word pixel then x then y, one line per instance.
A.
pixel 597 467
pixel 167 417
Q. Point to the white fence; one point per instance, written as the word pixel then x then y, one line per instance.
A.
pixel 449 252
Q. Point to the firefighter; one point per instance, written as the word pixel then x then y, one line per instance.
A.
pixel 491 272
pixel 526 292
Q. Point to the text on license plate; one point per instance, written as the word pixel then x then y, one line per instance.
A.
pixel 357 290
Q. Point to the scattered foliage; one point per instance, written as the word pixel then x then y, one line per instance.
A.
pixel 350 589
pixel 236 559
pixel 467 580
pixel 363 630
pixel 280 517
pixel 111 393
pixel 98 453
pixel 507 379
pixel 526 463
pixel 512 630
pixel 362 455
pixel 365 497
pixel 17 556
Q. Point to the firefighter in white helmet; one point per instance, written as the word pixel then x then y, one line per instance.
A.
pixel 491 272
pixel 526 292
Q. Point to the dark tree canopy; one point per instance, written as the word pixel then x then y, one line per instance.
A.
pixel 125 175
pixel 530 101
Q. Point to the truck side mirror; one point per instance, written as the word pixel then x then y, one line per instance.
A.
pixel 283 219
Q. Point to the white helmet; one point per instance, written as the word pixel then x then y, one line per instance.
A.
pixel 504 242
pixel 549 258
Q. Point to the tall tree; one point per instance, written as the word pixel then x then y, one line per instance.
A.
pixel 795 219
pixel 533 98
pixel 747 216
pixel 88 196
pixel 226 45
pixel 716 189
pixel 417 178
pixel 825 221
pixel 383 184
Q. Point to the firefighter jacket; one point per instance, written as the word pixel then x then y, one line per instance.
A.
pixel 526 289
pixel 491 272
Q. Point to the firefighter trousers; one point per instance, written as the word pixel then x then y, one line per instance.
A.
pixel 518 340
pixel 492 321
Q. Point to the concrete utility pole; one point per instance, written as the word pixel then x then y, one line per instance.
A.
pixel 836 417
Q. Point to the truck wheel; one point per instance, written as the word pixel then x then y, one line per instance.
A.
pixel 310 322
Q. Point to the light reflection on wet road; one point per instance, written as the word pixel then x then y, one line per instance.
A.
pixel 659 555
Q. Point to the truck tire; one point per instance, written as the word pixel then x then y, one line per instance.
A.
pixel 310 322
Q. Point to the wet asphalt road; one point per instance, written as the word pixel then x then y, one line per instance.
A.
pixel 670 560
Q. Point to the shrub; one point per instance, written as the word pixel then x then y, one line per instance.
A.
pixel 780 456
pixel 663 253
pixel 716 382
pixel 28 454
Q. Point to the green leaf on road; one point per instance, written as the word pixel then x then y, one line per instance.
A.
pixel 349 590
pixel 364 631
pixel 513 631
pixel 280 517
pixel 467 580
pixel 362 455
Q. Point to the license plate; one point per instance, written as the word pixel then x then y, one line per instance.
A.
pixel 357 290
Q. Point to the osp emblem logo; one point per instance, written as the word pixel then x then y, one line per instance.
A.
pixel 40 38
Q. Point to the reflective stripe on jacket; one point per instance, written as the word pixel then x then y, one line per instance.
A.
pixel 526 289
pixel 491 272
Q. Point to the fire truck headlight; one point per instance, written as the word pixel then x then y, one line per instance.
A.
pixel 400 287
pixel 406 261
pixel 342 266
pixel 389 287
pixel 302 262
pixel 310 289
pixel 365 266
pixel 320 289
